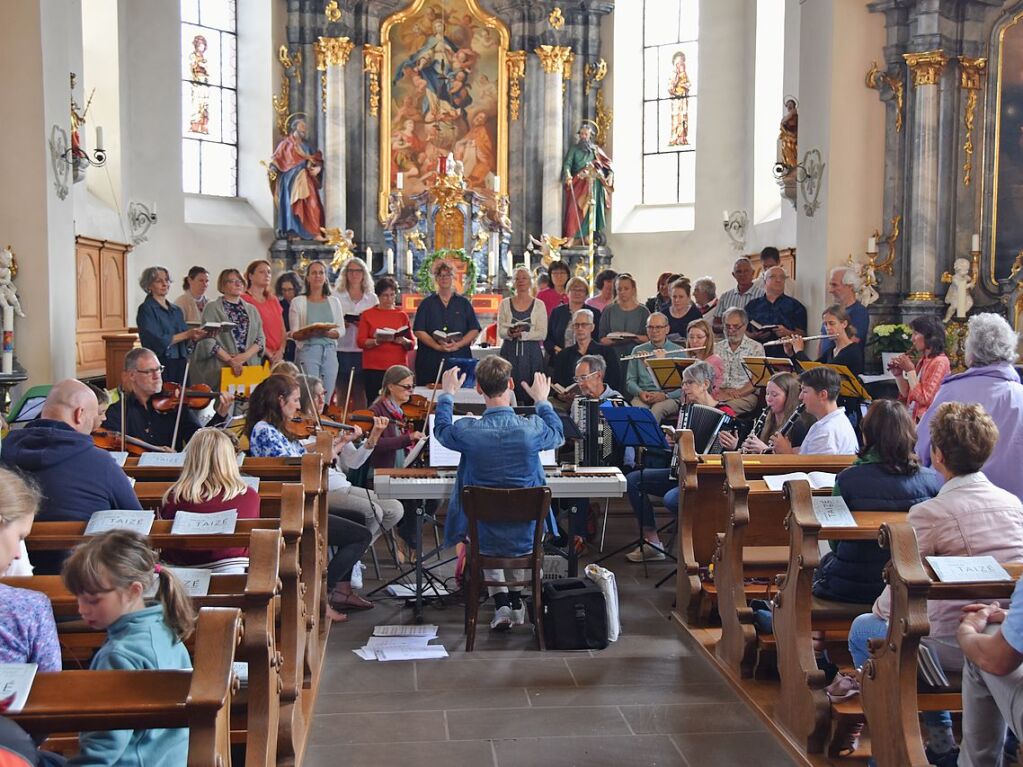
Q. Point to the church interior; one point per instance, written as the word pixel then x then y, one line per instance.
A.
pixel 751 272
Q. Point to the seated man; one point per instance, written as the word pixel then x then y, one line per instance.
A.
pixel 832 434
pixel 75 477
pixel 640 385
pixel 143 375
pixel 564 362
pixel 736 390
pixel 500 449
pixel 782 315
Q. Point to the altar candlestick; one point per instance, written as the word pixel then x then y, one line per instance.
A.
pixel 408 264
pixel 525 259
pixel 872 245
pixel 389 261
pixel 99 138
pixel 369 257
pixel 975 243
pixel 8 341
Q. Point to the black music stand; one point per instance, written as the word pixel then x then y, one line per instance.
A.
pixel 635 427
pixel 760 369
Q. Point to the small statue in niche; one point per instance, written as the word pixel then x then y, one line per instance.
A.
pixel 960 289
pixel 788 137
pixel 8 292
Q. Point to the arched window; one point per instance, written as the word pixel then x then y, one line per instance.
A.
pixel 209 97
pixel 670 92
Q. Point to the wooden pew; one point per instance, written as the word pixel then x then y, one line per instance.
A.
pixel 804 710
pixel 255 595
pixel 890 692
pixel 199 699
pixel 704 512
pixel 755 544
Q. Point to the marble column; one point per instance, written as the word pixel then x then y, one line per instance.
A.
pixel 553 58
pixel 926 69
pixel 331 56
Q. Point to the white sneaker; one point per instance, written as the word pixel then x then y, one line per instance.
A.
pixel 519 616
pixel 645 553
pixel 503 618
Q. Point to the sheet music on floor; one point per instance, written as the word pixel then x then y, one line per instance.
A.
pixel 407 630
pixel 409 592
pixel 402 643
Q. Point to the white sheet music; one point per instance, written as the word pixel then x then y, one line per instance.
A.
pixel 252 482
pixel 967 569
pixel 819 480
pixel 832 511
pixel 213 523
pixel 120 519
pixel 420 653
pixel 440 456
pixel 407 630
pixel 16 683
pixel 119 457
pixel 195 580
pixel 162 459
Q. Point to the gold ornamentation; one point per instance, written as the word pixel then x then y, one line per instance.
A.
pixel 603 121
pixel 970 72
pixel 291 63
pixel 333 52
pixel 332 12
pixel 552 57
pixel 877 78
pixel 594 73
pixel 921 296
pixel 926 66
pixel 343 243
pixel 372 61
pixel 556 19
pixel 566 71
pixel 515 63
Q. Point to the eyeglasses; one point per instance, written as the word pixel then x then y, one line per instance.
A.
pixel 406 387
pixel 151 372
pixel 582 324
pixel 656 327
pixel 580 379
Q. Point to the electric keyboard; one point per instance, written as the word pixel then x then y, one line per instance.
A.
pixel 437 484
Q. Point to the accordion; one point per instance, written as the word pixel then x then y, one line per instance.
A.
pixel 705 423
pixel 597 445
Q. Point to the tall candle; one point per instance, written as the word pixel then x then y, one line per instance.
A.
pixel 492 263
pixel 389 261
pixel 724 215
pixel 975 243
pixel 369 257
pixel 872 245
pixel 99 137
pixel 408 264
pixel 497 183
pixel 525 258
pixel 400 184
pixel 8 341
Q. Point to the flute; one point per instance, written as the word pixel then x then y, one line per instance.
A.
pixel 788 339
pixel 645 355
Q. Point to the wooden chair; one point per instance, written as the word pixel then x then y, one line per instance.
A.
pixel 891 695
pixel 198 699
pixel 504 506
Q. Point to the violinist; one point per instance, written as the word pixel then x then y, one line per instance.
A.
pixel 75 476
pixel 143 376
pixel 397 438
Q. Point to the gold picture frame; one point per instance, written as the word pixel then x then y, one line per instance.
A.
pixel 416 10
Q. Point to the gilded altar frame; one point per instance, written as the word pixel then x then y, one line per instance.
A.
pixel 386 74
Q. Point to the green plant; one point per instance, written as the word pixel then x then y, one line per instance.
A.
pixel 424 277
pixel 891 338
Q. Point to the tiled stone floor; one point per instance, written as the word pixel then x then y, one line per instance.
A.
pixel 648 699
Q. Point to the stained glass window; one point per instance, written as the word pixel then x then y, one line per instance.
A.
pixel 209 97
pixel 670 69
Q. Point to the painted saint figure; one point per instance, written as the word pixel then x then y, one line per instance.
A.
pixel 789 133
pixel 589 180
pixel 299 212
pixel 199 121
pixel 678 90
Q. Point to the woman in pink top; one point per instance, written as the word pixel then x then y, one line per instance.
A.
pixel 556 294
pixel 260 294
pixel 699 336
pixel 605 285
pixel 929 342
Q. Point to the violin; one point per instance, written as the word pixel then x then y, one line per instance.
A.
pixel 304 426
pixel 356 417
pixel 416 408
pixel 169 397
pixel 111 440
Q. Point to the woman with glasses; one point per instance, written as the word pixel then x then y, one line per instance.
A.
pixel 443 312
pixel 162 326
pixel 288 286
pixel 625 316
pixel 316 355
pixel 700 338
pixel 354 288
pixel 555 295
pixel 560 333
pixel 382 348
pixel 565 361
pixel 234 348
pixel 522 326
pixel 258 277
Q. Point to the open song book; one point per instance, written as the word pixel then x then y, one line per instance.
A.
pixel 819 480
pixel 389 334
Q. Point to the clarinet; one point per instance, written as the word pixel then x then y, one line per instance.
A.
pixel 789 423
pixel 757 426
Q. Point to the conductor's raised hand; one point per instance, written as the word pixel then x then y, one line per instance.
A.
pixel 452 380
pixel 540 389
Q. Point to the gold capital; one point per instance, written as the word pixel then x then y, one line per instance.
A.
pixel 970 72
pixel 332 51
pixel 553 57
pixel 515 62
pixel 926 66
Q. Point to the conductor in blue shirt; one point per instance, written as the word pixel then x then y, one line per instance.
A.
pixel 500 449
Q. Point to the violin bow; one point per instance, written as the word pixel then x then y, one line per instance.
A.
pixel 433 395
pixel 181 404
pixel 348 394
pixel 309 393
pixel 124 424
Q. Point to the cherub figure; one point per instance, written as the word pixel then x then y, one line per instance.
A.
pixel 8 292
pixel 960 290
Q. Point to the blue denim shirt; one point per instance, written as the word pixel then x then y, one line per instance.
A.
pixel 501 449
pixel 158 325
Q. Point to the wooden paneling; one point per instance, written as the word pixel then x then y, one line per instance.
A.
pixel 101 293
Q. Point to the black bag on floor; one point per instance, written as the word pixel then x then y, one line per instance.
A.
pixel 574 615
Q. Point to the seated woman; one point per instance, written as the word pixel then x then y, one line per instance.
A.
pixel 919 383
pixel 700 336
pixel 887 476
pixel 210 481
pixel 782 395
pixel 697 381
pixel 272 405
pixel 970 517
pixel 564 361
pixel 27 630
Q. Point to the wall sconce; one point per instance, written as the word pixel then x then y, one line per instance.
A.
pixel 63 157
pixel 735 224
pixel 140 218
pixel 808 175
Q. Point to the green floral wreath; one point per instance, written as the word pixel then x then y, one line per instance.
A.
pixel 424 275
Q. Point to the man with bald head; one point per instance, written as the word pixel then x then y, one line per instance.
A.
pixel 775 315
pixel 75 476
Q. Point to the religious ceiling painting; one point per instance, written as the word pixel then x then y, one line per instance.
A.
pixel 1007 178
pixel 445 92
